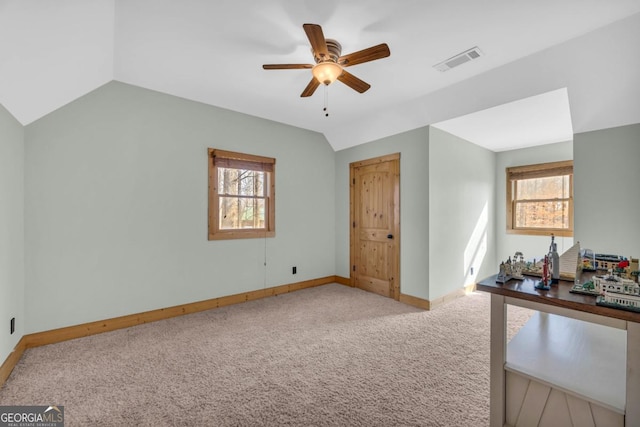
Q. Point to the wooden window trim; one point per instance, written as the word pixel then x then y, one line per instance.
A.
pixel 540 170
pixel 232 159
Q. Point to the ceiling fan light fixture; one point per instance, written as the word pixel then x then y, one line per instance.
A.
pixel 330 63
pixel 326 72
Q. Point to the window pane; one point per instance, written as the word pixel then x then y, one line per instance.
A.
pixel 553 187
pixel 554 214
pixel 241 182
pixel 241 213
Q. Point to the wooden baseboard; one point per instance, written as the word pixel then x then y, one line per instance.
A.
pixel 452 295
pixel 92 328
pixel 12 360
pixel 78 331
pixel 343 280
pixel 430 304
pixel 415 301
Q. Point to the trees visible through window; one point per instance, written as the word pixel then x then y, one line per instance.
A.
pixel 241 195
pixel 540 199
pixel 241 198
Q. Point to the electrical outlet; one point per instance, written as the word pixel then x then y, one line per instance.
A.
pixel 13 325
pixel 294 270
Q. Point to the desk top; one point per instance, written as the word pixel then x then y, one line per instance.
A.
pixel 558 296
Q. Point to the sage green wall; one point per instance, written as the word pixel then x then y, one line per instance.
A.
pixel 461 213
pixel 607 190
pixel 116 207
pixel 11 231
pixel 413 147
pixel 114 219
pixel 530 246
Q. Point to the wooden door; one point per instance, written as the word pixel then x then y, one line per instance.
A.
pixel 375 225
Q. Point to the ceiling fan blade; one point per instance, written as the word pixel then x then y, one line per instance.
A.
pixel 353 82
pixel 317 40
pixel 286 66
pixel 365 55
pixel 311 87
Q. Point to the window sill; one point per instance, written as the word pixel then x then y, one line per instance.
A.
pixel 540 232
pixel 242 234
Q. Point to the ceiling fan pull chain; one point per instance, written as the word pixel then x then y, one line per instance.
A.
pixel 326 101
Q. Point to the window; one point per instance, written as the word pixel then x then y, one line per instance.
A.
pixel 540 199
pixel 241 195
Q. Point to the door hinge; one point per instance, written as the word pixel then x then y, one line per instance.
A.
pixel 354 224
pixel 354 268
pixel 354 181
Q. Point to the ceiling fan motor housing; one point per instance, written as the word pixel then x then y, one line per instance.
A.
pixel 334 48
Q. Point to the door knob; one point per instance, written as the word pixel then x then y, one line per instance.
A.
pixel 389 236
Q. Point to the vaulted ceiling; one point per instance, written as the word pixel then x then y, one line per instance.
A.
pixel 52 52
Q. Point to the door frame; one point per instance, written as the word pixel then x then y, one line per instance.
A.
pixel 394 261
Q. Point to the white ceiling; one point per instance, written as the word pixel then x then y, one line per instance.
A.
pixel 52 52
pixel 537 120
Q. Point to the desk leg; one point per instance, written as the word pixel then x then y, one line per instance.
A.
pixel 498 359
pixel 632 409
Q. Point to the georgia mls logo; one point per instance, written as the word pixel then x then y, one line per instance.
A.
pixel 31 416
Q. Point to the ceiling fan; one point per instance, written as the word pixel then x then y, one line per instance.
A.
pixel 330 63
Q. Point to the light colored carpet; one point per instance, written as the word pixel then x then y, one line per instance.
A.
pixel 326 356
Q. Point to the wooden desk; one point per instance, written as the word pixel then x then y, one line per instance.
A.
pixel 610 338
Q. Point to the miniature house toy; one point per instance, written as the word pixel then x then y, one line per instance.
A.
pixel 617 292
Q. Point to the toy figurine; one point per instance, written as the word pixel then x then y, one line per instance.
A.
pixel 555 261
pixel 505 272
pixel 545 283
pixel 518 266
